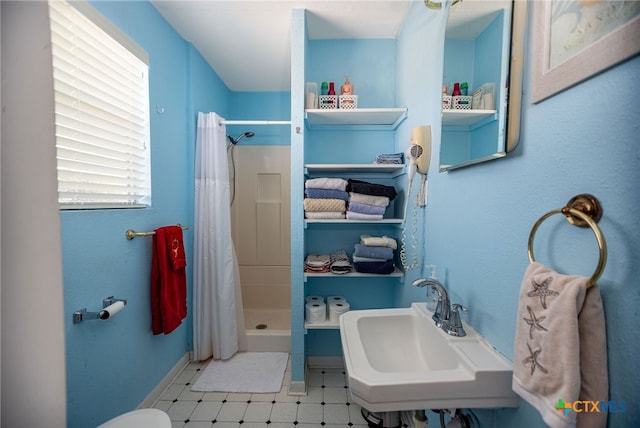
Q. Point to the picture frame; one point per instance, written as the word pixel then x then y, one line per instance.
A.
pixel 572 42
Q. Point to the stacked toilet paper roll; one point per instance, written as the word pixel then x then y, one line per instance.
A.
pixel 336 310
pixel 315 310
pixel 336 306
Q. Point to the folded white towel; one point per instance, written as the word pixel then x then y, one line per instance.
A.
pixel 324 215
pixel 378 241
pixel 560 347
pixel 326 183
pixel 361 198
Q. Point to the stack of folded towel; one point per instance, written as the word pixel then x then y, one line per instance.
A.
pixel 368 201
pixel 337 262
pixel 340 263
pixel 374 254
pixel 390 158
pixel 325 198
pixel 317 263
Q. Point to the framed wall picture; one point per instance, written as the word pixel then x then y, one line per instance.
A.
pixel 574 40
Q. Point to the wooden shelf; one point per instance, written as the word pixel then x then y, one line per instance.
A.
pixel 388 118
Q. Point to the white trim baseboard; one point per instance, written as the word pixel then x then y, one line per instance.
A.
pixel 325 362
pixel 156 392
pixel 298 387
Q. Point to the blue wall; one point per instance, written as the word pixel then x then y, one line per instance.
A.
pixel 475 227
pixel 275 106
pixel 477 223
pixel 112 366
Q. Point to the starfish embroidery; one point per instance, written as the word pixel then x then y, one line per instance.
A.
pixel 542 290
pixel 175 247
pixel 534 322
pixel 533 360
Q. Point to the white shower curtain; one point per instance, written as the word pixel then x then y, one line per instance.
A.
pixel 217 307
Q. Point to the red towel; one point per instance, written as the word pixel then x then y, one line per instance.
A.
pixel 168 280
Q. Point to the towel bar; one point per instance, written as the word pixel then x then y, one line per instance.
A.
pixel 582 210
pixel 130 234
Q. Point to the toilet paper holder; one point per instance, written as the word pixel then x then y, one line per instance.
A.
pixel 104 314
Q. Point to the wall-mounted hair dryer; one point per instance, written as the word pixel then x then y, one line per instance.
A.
pixel 419 155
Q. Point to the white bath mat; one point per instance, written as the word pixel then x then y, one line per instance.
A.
pixel 244 372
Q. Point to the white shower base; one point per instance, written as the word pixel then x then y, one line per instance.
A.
pixel 276 337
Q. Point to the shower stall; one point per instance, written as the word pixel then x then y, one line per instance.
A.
pixel 260 221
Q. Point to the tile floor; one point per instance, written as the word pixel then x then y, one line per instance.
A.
pixel 325 406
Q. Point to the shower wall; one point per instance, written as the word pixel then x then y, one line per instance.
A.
pixel 261 233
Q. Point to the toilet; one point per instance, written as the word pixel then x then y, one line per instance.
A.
pixel 142 418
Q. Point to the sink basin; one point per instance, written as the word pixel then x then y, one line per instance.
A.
pixel 397 359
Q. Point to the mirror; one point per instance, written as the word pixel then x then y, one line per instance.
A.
pixel 483 49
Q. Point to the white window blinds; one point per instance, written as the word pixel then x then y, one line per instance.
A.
pixel 101 113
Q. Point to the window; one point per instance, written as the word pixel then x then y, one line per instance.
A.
pixel 101 111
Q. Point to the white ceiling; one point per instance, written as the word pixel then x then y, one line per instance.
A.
pixel 247 42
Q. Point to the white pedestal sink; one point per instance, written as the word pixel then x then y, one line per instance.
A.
pixel 397 359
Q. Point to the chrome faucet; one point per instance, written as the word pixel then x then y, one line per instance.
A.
pixel 442 316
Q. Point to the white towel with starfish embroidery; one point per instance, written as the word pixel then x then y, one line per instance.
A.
pixel 560 353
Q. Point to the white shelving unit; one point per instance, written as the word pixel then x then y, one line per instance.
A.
pixel 381 119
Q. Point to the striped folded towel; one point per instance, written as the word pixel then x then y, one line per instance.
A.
pixel 340 263
pixel 315 205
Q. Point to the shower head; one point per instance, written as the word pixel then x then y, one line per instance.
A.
pixel 234 141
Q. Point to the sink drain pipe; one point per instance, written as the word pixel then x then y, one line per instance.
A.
pixel 414 419
pixel 458 419
pixel 381 419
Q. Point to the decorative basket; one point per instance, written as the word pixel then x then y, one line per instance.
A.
pixel 446 102
pixel 328 102
pixel 462 102
pixel 348 101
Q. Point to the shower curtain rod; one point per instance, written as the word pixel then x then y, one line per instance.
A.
pixel 255 122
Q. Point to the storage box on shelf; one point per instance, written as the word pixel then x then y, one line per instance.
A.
pixel 328 102
pixel 348 102
pixel 462 102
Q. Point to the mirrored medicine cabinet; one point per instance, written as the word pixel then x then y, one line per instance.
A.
pixel 484 48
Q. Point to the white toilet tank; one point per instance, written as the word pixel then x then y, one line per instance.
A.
pixel 142 418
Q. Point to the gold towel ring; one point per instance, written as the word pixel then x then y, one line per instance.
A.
pixel 575 209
